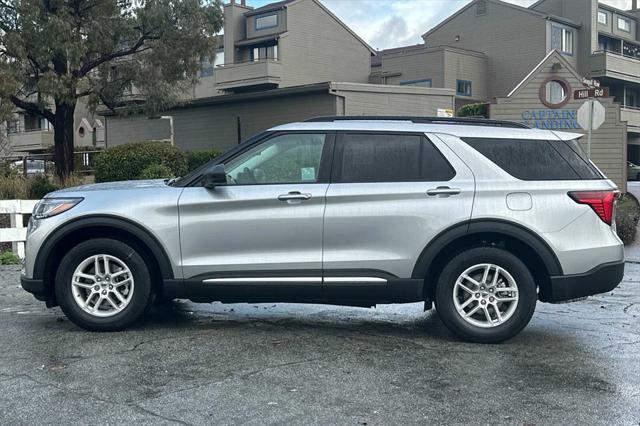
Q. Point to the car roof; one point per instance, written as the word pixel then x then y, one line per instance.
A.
pixel 458 130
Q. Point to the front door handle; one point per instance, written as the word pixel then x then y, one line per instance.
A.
pixel 294 196
pixel 443 191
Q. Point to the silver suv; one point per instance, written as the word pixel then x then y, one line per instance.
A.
pixel 482 217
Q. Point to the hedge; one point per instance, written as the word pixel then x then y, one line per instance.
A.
pixel 196 159
pixel 474 110
pixel 126 162
pixel 627 217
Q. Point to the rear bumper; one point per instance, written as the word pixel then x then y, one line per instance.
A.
pixel 600 279
pixel 35 287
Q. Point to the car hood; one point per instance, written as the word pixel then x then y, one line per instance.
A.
pixel 113 186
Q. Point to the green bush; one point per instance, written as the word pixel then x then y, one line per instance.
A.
pixel 9 258
pixel 156 171
pixel 627 217
pixel 196 159
pixel 39 186
pixel 126 162
pixel 474 110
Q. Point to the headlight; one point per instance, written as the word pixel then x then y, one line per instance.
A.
pixel 49 207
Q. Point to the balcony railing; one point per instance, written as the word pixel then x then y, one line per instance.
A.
pixel 605 63
pixel 33 140
pixel 631 115
pixel 266 72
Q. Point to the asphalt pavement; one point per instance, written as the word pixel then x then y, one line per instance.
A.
pixel 191 363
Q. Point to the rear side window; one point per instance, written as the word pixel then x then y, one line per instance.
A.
pixel 530 159
pixel 389 158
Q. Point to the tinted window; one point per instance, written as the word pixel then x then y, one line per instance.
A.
pixel 536 159
pixel 390 158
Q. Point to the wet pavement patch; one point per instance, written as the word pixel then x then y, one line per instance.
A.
pixel 193 363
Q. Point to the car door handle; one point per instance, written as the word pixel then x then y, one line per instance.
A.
pixel 443 191
pixel 294 195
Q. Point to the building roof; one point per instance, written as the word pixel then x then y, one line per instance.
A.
pixel 553 55
pixel 509 5
pixel 269 7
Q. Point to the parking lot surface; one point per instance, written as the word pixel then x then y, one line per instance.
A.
pixel 191 363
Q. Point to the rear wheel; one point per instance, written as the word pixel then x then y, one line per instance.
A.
pixel 103 285
pixel 485 295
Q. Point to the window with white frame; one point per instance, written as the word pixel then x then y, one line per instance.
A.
pixel 624 24
pixel 602 17
pixel 266 21
pixel 562 39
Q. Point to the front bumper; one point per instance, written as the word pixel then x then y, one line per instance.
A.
pixel 35 287
pixel 600 279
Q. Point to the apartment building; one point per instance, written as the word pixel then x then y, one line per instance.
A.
pixel 285 61
pixel 29 134
pixel 288 43
pixel 499 45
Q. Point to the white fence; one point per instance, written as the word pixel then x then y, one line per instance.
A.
pixel 17 234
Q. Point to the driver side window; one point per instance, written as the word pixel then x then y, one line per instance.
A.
pixel 291 158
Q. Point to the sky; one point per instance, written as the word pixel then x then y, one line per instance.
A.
pixel 392 23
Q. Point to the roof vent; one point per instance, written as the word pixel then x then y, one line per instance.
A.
pixel 481 7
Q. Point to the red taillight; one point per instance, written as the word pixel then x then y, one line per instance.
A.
pixel 602 202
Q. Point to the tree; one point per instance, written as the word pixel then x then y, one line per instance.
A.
pixel 109 52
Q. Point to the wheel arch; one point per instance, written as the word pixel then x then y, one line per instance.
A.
pixel 56 245
pixel 533 250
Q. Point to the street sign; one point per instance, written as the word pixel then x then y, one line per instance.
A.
pixel 595 92
pixel 587 114
pixel 590 117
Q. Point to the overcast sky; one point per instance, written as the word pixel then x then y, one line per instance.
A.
pixel 392 23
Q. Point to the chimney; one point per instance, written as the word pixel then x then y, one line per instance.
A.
pixel 235 27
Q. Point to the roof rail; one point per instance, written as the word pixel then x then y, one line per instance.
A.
pixel 468 121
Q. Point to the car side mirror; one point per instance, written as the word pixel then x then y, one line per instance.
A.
pixel 214 176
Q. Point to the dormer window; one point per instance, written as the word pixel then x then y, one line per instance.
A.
pixel 266 21
pixel 624 24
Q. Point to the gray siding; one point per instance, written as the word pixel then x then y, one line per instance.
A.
pixel 609 141
pixel 353 99
pixel 280 28
pixel 317 48
pixel 215 126
pixel 514 41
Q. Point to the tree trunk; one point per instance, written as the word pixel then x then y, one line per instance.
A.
pixel 63 130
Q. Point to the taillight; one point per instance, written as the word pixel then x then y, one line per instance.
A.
pixel 602 202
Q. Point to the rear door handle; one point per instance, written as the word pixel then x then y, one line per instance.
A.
pixel 444 191
pixel 294 196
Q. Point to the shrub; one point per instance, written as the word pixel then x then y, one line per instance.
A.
pixel 196 159
pixel 126 162
pixel 39 186
pixel 156 171
pixel 14 187
pixel 627 217
pixel 474 110
pixel 9 258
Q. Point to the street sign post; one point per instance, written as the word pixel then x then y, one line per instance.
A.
pixel 590 117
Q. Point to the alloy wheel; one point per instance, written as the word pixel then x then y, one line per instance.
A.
pixel 485 295
pixel 102 285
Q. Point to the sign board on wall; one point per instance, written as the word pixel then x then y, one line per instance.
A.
pixel 551 119
pixel 444 112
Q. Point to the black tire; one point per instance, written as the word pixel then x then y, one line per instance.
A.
pixel 141 299
pixel 526 292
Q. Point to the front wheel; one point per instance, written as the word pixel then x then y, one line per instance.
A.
pixel 103 285
pixel 485 295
